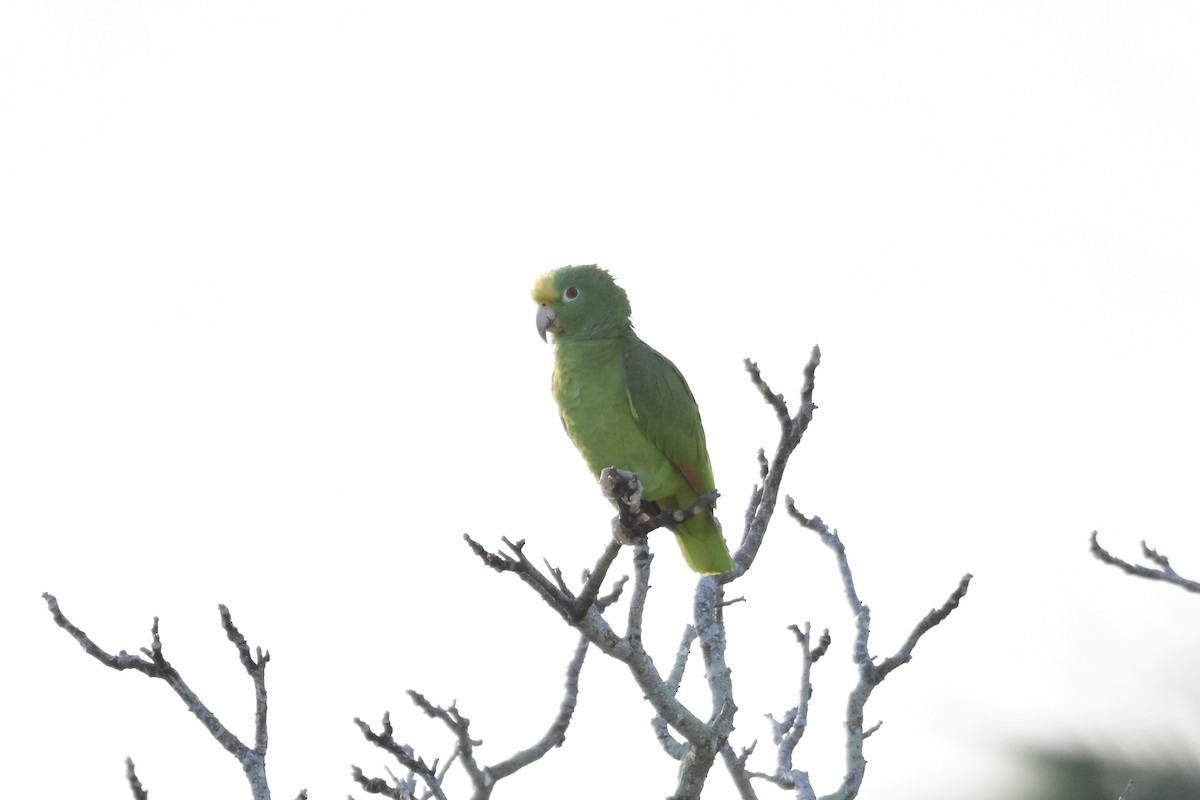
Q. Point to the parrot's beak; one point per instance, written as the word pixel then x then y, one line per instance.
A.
pixel 547 320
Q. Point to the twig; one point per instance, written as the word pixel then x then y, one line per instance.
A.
pixel 775 401
pixel 673 747
pixel 791 431
pixel 642 558
pixel 736 766
pixel 557 733
pixel 460 726
pixel 139 792
pixel 593 579
pixel 256 668
pixel 1164 572
pixel 788 731
pixel 935 616
pixel 402 753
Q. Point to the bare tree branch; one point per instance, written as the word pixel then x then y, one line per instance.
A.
pixel 935 616
pixel 627 649
pixel 642 558
pixel 791 431
pixel 708 609
pixel 483 779
pixel 139 792
pixel 400 788
pixel 1163 572
pixel 594 578
pixel 557 733
pixel 736 766
pixel 460 726
pixel 256 668
pixel 596 628
pixel 788 731
pixel 870 674
pixel 672 746
pixel 155 665
pixel 402 753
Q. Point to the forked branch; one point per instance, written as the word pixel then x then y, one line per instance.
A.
pixel 483 778
pixel 871 673
pixel 153 664
pixel 1161 571
pixel 791 430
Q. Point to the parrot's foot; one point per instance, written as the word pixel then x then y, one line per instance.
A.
pixel 629 528
pixel 622 487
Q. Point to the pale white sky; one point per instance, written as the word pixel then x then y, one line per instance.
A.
pixel 266 340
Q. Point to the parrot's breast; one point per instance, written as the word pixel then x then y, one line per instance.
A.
pixel 592 395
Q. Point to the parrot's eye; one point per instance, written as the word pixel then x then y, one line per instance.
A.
pixel 571 293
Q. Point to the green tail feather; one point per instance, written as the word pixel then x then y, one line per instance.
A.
pixel 703 545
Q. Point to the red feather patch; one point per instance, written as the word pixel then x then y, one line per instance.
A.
pixel 690 475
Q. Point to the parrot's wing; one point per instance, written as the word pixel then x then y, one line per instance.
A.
pixel 665 410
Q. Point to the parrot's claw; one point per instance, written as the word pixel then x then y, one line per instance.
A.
pixel 624 490
pixel 623 487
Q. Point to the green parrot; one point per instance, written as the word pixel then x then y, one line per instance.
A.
pixel 625 405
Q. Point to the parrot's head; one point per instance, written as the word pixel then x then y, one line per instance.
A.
pixel 581 303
